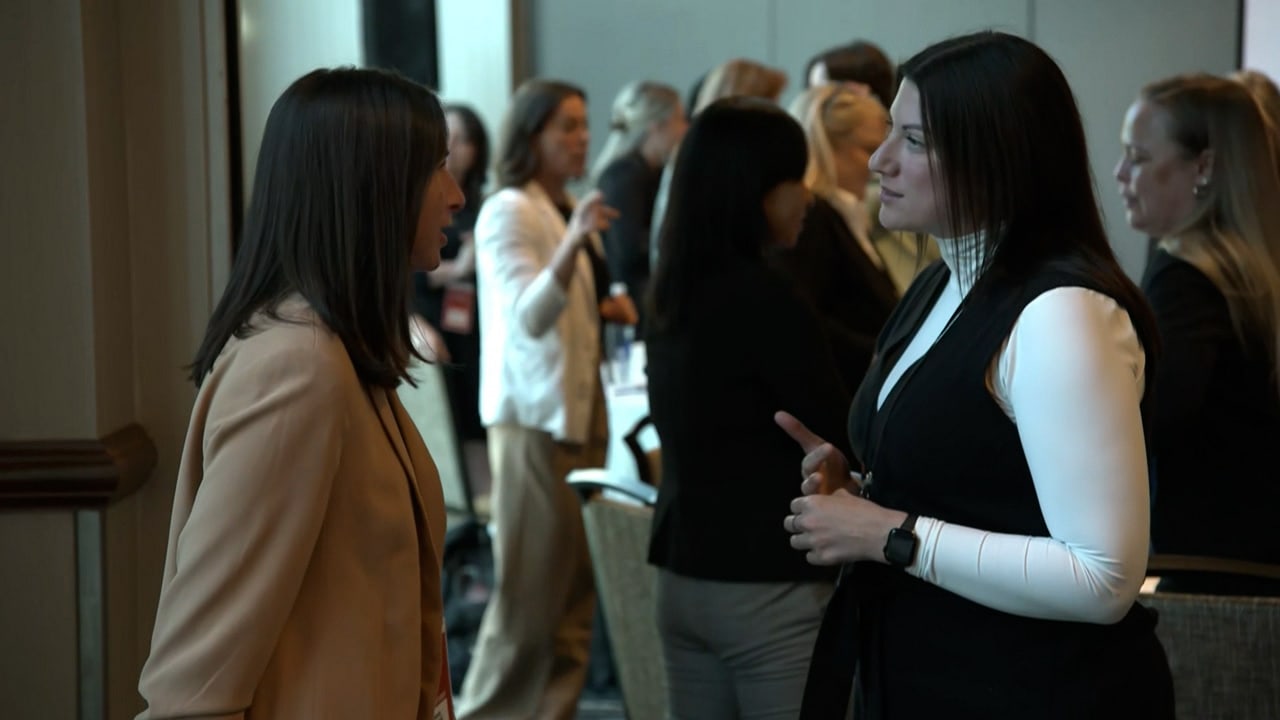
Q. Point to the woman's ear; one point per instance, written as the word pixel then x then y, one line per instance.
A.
pixel 1204 167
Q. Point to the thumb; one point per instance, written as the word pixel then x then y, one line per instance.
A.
pixel 804 436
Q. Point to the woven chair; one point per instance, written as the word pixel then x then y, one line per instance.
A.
pixel 1224 651
pixel 618 535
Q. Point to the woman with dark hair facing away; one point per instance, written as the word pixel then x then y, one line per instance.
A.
pixel 729 342
pixel 996 539
pixel 538 260
pixel 446 296
pixel 1198 172
pixel 647 124
pixel 308 520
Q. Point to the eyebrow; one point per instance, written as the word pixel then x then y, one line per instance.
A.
pixel 910 126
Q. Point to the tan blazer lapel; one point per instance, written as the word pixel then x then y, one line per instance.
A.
pixel 426 479
pixel 381 403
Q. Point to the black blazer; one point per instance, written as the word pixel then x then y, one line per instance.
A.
pixel 1216 425
pixel 833 274
pixel 750 347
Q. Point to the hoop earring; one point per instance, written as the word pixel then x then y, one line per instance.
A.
pixel 1201 188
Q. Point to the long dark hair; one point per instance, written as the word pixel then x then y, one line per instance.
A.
pixel 532 107
pixel 1011 156
pixel 344 160
pixel 473 182
pixel 736 151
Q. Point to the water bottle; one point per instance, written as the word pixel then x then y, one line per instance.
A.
pixel 617 343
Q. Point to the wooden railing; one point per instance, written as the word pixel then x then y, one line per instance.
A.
pixel 75 473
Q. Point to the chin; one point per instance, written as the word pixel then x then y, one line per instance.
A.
pixel 1137 223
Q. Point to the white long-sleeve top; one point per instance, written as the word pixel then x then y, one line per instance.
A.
pixel 1070 376
pixel 540 344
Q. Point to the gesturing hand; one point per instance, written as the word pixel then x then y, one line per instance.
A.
pixel 590 215
pixel 824 469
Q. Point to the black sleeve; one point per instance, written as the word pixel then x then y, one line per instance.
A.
pixel 809 266
pixel 1193 321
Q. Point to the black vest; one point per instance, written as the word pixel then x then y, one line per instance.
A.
pixel 940 446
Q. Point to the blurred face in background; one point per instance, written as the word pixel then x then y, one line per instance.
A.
pixel 666 135
pixel 462 151
pixel 853 152
pixel 784 208
pixel 1156 176
pixel 562 144
pixel 909 199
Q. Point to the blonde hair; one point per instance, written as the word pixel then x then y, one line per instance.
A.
pixel 831 115
pixel 637 107
pixel 1234 233
pixel 740 77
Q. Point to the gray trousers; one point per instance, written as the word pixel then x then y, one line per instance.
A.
pixel 737 650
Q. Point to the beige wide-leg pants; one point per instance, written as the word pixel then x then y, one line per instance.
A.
pixel 531 654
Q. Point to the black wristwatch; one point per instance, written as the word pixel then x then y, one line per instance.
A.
pixel 900 548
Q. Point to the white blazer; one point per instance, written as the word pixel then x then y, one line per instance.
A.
pixel 539 343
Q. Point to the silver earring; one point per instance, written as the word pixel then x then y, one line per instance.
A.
pixel 1201 187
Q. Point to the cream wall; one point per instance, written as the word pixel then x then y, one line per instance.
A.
pixel 115 164
pixel 481 54
pixel 45 265
pixel 1261 49
pixel 1107 49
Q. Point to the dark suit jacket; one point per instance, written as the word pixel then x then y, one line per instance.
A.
pixel 833 274
pixel 629 185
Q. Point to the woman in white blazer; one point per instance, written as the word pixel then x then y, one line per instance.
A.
pixel 302 577
pixel 539 272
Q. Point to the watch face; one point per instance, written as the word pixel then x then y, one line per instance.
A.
pixel 900 549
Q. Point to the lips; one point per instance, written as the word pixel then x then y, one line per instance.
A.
pixel 889 194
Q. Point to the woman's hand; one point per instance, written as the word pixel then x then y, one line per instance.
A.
pixel 591 215
pixel 824 469
pixel 840 528
pixel 619 309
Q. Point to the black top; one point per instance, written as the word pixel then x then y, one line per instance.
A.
pixel 941 447
pixel 429 301
pixel 751 347
pixel 1216 426
pixel 462 374
pixel 833 273
pixel 630 186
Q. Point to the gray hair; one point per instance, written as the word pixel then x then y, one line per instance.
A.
pixel 636 108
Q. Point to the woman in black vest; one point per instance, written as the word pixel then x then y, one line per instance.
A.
pixel 997 535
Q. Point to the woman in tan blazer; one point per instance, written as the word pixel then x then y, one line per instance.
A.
pixel 303 566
